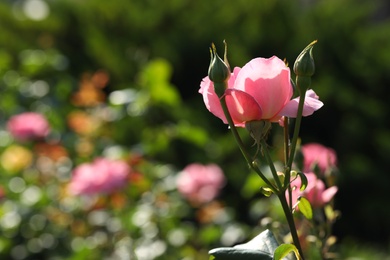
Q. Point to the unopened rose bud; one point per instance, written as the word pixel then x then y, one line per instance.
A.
pixel 219 70
pixel 304 68
pixel 304 64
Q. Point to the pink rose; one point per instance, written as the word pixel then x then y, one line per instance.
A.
pixel 261 90
pixel 200 183
pixel 101 176
pixel 315 192
pixel 318 155
pixel 28 126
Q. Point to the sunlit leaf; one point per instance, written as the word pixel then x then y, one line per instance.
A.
pixel 260 247
pixel 265 241
pixel 284 249
pixel 231 253
pixel 305 207
pixel 156 78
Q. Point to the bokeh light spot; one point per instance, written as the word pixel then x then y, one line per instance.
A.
pixel 36 9
pixel 17 185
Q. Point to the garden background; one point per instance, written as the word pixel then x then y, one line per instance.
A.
pixel 145 60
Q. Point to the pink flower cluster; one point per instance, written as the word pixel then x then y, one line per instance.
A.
pixel 316 192
pixel 200 183
pixel 261 90
pixel 28 126
pixel 317 155
pixel 101 176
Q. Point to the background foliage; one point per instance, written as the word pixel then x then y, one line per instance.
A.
pixel 155 54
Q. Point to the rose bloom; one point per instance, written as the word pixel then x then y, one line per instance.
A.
pixel 315 154
pixel 261 90
pixel 316 192
pixel 101 176
pixel 28 126
pixel 200 183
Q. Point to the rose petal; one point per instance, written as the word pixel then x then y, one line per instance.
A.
pixel 311 105
pixel 268 82
pixel 211 99
pixel 328 194
pixel 242 107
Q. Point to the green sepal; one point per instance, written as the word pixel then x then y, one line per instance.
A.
pixel 304 181
pixel 258 129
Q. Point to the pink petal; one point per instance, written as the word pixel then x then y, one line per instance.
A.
pixel 311 105
pixel 328 194
pixel 268 82
pixel 101 176
pixel 242 107
pixel 200 183
pixel 317 154
pixel 211 99
pixel 28 126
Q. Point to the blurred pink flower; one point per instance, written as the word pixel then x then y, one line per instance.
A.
pixel 200 183
pixel 101 176
pixel 2 192
pixel 261 90
pixel 315 192
pixel 318 155
pixel 28 126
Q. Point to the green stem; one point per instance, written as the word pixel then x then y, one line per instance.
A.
pixel 291 223
pixel 286 139
pixel 271 164
pixel 290 159
pixel 242 147
pixel 295 138
pixel 286 159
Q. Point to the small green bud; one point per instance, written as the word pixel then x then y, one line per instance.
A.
pixel 219 70
pixel 304 64
pixel 266 191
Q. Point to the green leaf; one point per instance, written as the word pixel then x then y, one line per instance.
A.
pixel 191 133
pixel 284 249
pixel 231 253
pixel 305 207
pixel 156 78
pixel 265 241
pixel 260 247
